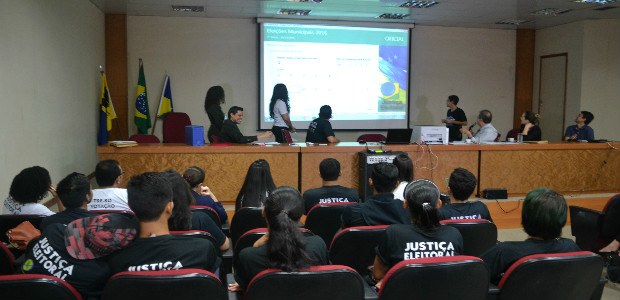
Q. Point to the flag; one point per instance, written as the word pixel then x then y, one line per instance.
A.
pixel 141 114
pixel 106 112
pixel 165 102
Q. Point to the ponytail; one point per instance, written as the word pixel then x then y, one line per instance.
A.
pixel 422 196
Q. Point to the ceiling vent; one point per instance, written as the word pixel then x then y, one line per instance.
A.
pixel 551 11
pixel 188 8
pixel 598 2
pixel 392 16
pixel 512 22
pixel 419 4
pixel 294 12
pixel 602 8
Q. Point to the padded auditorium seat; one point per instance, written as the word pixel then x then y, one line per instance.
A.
pixel 245 219
pixel 355 247
pixel 479 235
pixel 437 278
pixel 554 276
pixel 174 127
pixel 35 286
pixel 324 219
pixel 371 137
pixel 210 212
pixel 7 259
pixel 198 234
pixel 145 139
pixel 165 285
pixel 11 221
pixel 589 227
pixel 332 282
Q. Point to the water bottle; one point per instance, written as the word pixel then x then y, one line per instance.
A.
pixel 520 138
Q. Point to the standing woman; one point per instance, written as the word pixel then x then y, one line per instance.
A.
pixel 529 126
pixel 213 101
pixel 279 109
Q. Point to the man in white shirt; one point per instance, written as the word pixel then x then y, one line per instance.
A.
pixel 109 196
pixel 487 133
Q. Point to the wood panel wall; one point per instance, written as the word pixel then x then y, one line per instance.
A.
pixel 116 72
pixel 524 73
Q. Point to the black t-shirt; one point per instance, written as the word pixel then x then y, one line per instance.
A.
pixel 503 255
pixel 230 133
pixel 65 217
pixel 403 242
pixel 454 130
pixel 201 221
pixel 329 194
pixel 49 256
pixel 464 211
pixel 166 252
pixel 534 134
pixel 254 260
pixel 380 209
pixel 319 130
pixel 216 117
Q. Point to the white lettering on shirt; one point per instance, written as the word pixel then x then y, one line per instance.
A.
pixel 478 216
pixel 428 249
pixel 332 200
pixel 51 261
pixel 167 265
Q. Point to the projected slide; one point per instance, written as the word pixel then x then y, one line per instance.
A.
pixel 361 72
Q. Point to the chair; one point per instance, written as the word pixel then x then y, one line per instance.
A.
pixel 287 136
pixel 565 276
pixel 479 235
pixel 332 282
pixel 246 218
pixel 324 219
pixel 498 137
pixel 513 133
pixel 210 212
pixel 36 286
pixel 7 260
pixel 448 277
pixel 371 137
pixel 145 139
pixel 165 285
pixel 355 247
pixel 174 127
pixel 587 225
pixel 11 221
pixel 198 234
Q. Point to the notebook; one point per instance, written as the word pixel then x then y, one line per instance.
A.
pixel 398 136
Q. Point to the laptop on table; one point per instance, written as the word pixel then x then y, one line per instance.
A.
pixel 398 136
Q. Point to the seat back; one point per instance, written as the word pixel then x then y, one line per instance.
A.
pixel 246 218
pixel 250 237
pixel 512 133
pixel 6 260
pixel 11 221
pixel 174 127
pixel 479 235
pixel 498 137
pixel 585 226
pixel 145 139
pixel 566 276
pixel 210 212
pixel 371 137
pixel 447 277
pixel 165 285
pixel 332 282
pixel 355 247
pixel 36 286
pixel 324 219
pixel 287 136
pixel 197 234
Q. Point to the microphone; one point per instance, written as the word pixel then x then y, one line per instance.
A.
pixel 472 126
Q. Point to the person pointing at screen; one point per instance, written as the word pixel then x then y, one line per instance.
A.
pixel 279 109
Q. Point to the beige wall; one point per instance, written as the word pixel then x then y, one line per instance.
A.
pixel 49 78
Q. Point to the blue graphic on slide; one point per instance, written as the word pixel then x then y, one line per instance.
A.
pixel 393 62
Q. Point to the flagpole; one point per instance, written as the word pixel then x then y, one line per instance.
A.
pixel 163 90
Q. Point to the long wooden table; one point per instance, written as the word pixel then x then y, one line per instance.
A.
pixel 565 167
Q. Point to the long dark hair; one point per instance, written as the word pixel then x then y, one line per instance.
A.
pixel 257 186
pixel 181 218
pixel 215 96
pixel 279 93
pixel 422 197
pixel 405 167
pixel 30 185
pixel 286 245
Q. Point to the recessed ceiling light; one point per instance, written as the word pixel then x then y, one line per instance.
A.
pixel 599 2
pixel 188 8
pixel 294 12
pixel 419 4
pixel 551 11
pixel 392 16
pixel 313 1
pixel 512 22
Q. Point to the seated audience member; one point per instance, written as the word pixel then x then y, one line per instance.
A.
pixel 487 133
pixel 257 186
pixel 610 228
pixel 405 174
pixel 581 130
pixel 230 132
pixel 529 126
pixel 150 198
pixel 331 191
pixel 380 208
pixel 74 192
pixel 320 129
pixel 182 216
pixel 543 216
pixel 109 195
pixel 423 237
pixel 28 188
pixel 461 185
pixel 285 247
pixel 195 176
pixel 77 252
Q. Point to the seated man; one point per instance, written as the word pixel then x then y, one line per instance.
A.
pixel 150 198
pixel 74 193
pixel 487 133
pixel 109 195
pixel 320 129
pixel 230 131
pixel 380 208
pixel 543 216
pixel 331 191
pixel 581 130
pixel 461 185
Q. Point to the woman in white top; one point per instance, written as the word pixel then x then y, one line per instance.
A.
pixel 279 109
pixel 29 187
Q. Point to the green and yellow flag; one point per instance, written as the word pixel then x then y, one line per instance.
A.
pixel 142 116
